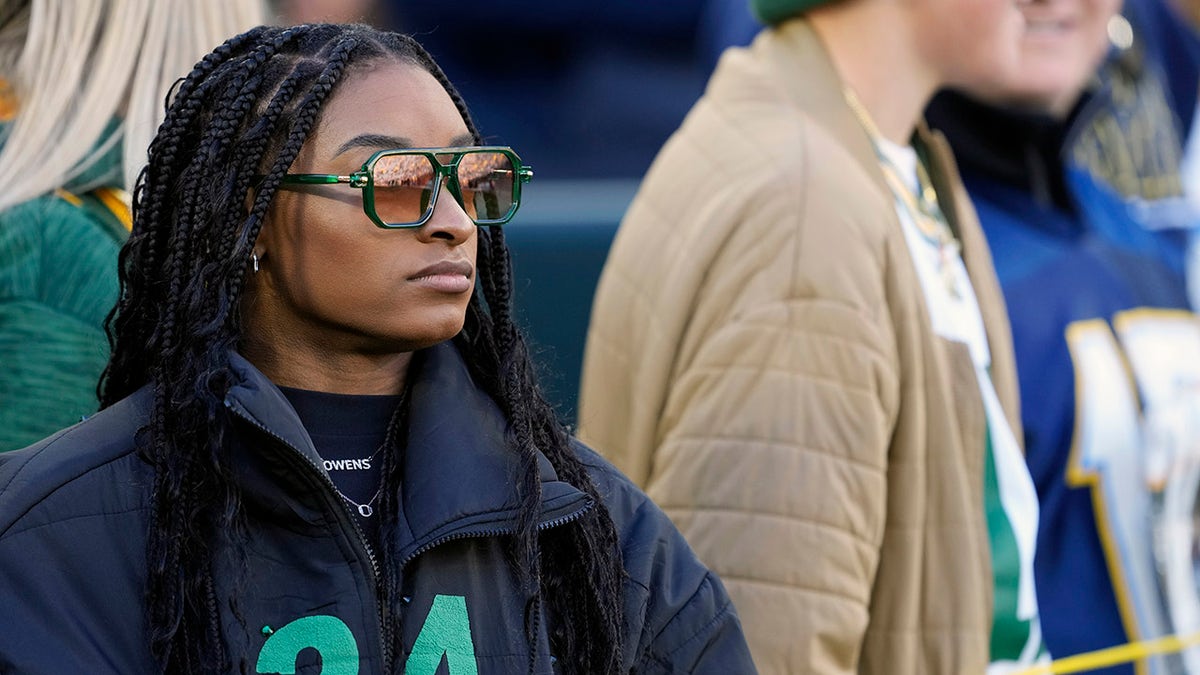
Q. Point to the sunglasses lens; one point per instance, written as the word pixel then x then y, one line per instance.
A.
pixel 487 180
pixel 403 186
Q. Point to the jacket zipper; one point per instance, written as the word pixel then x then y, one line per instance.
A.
pixel 424 548
pixel 496 532
pixel 362 539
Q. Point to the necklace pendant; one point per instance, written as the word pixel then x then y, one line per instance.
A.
pixel 365 510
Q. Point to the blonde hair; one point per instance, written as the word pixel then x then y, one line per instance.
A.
pixel 76 65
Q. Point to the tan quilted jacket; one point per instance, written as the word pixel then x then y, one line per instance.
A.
pixel 761 360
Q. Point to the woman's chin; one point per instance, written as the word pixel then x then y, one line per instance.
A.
pixel 411 341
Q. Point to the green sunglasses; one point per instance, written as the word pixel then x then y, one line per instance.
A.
pixel 401 187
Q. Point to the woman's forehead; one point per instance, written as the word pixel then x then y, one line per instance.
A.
pixel 398 102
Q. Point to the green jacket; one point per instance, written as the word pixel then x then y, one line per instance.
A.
pixel 58 281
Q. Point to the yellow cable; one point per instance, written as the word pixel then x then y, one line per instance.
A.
pixel 1112 656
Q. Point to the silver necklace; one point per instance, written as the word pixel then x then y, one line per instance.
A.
pixel 331 464
pixel 364 510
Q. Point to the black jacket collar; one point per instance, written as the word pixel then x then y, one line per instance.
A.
pixel 1024 150
pixel 459 473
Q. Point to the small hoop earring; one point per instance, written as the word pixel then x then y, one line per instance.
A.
pixel 254 261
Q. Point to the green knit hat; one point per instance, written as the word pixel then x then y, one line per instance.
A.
pixel 774 11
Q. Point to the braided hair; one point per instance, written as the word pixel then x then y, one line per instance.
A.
pixel 233 127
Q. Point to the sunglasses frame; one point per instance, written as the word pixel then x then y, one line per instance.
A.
pixel 443 173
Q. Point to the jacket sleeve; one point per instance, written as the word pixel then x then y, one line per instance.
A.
pixel 680 619
pixel 770 448
pixel 776 473
pixel 704 636
pixel 73 523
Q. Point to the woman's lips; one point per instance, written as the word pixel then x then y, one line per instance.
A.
pixel 447 276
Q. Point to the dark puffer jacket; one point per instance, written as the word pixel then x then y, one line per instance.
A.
pixel 75 508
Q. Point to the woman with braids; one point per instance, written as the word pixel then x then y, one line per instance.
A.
pixel 321 447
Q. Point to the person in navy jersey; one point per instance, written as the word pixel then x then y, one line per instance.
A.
pixel 1090 286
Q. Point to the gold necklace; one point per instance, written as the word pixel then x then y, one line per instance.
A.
pixel 923 208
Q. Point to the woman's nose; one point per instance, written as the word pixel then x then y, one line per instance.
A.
pixel 449 221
